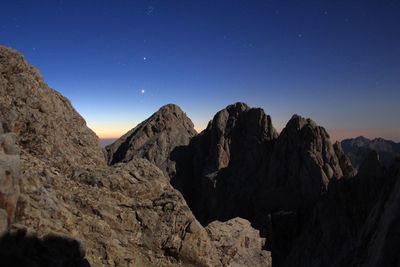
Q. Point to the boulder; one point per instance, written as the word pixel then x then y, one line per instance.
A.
pixel 238 244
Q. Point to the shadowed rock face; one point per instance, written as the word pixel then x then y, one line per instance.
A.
pixel 301 165
pixel 346 225
pixel 154 139
pixel 44 121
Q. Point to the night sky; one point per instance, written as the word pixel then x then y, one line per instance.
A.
pixel 337 62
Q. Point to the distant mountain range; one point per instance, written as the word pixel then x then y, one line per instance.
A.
pixel 107 141
pixel 357 149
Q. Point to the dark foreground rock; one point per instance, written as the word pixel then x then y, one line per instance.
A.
pixel 17 249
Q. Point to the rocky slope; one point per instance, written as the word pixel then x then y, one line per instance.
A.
pixel 127 214
pixel 44 121
pixel 357 149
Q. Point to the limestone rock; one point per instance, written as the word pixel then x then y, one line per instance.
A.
pixel 154 139
pixel 239 244
pixel 44 121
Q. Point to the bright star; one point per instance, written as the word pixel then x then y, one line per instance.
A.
pixel 142 91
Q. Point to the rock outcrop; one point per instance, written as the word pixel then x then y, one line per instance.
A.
pixel 154 139
pixel 357 149
pixel 44 121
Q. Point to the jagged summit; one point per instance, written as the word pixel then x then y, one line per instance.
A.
pixel 154 139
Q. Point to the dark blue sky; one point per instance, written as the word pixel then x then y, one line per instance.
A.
pixel 337 62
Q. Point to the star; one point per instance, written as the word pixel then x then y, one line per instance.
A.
pixel 300 35
pixel 142 91
pixel 144 58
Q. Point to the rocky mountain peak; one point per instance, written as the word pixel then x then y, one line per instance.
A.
pixel 154 139
pixel 305 147
pixel 174 114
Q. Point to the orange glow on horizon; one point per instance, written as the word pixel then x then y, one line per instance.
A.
pixel 115 131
